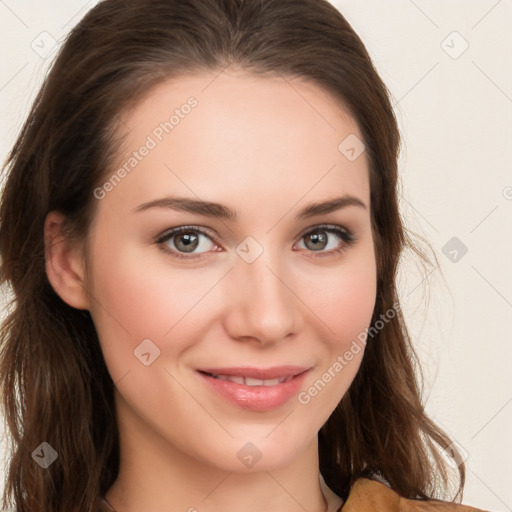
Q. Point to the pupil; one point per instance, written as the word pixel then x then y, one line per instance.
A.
pixel 189 241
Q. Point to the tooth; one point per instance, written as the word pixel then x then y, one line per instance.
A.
pixel 249 381
pixel 271 382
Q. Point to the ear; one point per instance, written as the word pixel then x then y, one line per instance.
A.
pixel 64 263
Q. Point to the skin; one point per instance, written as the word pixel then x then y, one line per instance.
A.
pixel 266 147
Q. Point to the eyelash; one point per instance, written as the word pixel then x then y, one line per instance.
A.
pixel 347 238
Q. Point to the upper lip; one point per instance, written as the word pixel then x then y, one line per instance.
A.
pixel 257 373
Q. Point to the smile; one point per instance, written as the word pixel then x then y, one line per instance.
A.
pixel 253 388
pixel 249 381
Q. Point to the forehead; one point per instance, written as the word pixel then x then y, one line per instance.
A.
pixel 219 136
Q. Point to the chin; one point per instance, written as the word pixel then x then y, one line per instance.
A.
pixel 258 452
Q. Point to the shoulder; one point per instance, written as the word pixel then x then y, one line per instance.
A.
pixel 367 495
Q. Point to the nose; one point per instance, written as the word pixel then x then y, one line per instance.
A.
pixel 263 305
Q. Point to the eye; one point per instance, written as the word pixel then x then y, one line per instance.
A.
pixel 192 242
pixel 328 240
pixel 186 242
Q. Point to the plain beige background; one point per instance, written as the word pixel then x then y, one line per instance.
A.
pixel 448 66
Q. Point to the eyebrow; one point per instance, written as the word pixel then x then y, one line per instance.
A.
pixel 220 211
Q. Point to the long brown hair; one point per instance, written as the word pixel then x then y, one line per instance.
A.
pixel 55 384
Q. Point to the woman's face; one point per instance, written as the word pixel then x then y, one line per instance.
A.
pixel 199 329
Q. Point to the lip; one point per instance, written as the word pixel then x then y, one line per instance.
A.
pixel 259 397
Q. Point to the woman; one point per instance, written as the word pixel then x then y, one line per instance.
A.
pixel 200 227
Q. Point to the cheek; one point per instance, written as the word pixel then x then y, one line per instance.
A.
pixel 344 299
pixel 345 307
pixel 344 302
pixel 134 300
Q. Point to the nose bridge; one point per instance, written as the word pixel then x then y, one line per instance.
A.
pixel 263 304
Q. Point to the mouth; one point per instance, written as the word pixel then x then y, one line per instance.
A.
pixel 250 381
pixel 256 389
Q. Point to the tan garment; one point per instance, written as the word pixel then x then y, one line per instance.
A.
pixel 373 496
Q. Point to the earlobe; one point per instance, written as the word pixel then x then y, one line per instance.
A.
pixel 64 263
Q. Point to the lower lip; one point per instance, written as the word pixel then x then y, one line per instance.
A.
pixel 256 398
